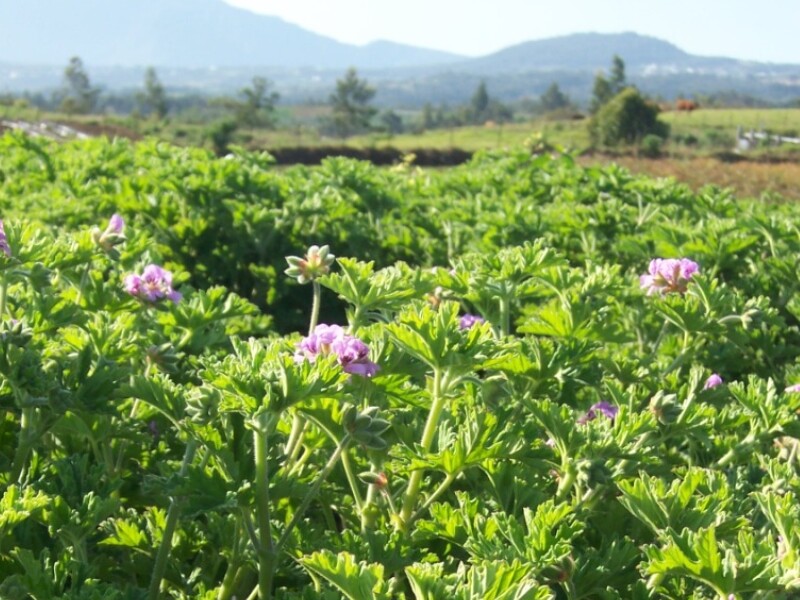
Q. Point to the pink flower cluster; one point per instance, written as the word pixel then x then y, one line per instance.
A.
pixel 153 285
pixel 667 275
pixel 468 321
pixel 351 353
pixel 601 408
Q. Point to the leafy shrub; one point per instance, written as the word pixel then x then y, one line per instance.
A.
pixel 626 118
pixel 651 145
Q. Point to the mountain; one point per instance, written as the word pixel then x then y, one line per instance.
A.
pixel 211 47
pixel 180 33
pixel 580 52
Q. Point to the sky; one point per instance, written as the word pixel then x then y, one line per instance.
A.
pixel 762 30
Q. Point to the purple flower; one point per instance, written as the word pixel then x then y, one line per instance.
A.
pixel 603 407
pixel 793 389
pixel 354 356
pixel 351 353
pixel 713 381
pixel 668 275
pixel 467 321
pixel 4 241
pixel 115 224
pixel 319 342
pixel 153 285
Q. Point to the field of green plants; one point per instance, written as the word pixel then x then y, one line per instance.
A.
pixel 513 379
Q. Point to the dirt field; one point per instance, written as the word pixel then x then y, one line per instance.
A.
pixel 747 179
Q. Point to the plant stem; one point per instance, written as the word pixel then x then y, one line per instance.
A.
pixel 266 553
pixel 352 480
pixel 505 316
pixel 3 295
pixel 315 306
pixel 566 483
pixel 368 517
pixel 451 477
pixel 431 425
pixel 84 279
pixel 294 441
pixel 169 528
pixel 227 589
pixel 23 445
pixel 298 514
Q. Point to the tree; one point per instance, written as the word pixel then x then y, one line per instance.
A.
pixel 554 99
pixel 220 134
pixel 79 95
pixel 479 103
pixel 154 98
pixel 350 102
pixel 604 89
pixel 617 81
pixel 391 122
pixel 258 107
pixel 627 118
pixel 601 93
pixel 428 116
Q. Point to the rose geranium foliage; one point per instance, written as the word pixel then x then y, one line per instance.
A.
pixel 516 378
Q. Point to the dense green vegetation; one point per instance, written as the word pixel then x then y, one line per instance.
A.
pixel 576 444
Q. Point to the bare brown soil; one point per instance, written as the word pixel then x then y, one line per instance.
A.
pixel 747 179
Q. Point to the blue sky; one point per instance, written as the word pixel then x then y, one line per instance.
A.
pixel 765 30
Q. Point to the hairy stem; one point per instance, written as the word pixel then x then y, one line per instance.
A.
pixel 267 562
pixel 431 425
pixel 353 481
pixel 169 528
pixel 298 514
pixel 24 444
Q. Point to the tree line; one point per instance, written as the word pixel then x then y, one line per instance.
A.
pixel 619 113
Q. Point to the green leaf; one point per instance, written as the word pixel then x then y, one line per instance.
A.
pixel 356 580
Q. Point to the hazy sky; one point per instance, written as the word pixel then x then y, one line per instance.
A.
pixel 764 30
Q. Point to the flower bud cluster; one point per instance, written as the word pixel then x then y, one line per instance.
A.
pixel 112 236
pixel 316 263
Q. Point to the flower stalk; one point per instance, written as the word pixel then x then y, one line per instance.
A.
pixel 431 425
pixel 267 557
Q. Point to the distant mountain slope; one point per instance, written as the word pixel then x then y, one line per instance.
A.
pixel 180 33
pixel 589 52
pixel 581 51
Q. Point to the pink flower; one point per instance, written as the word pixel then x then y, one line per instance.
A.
pixel 666 275
pixel 793 389
pixel 115 224
pixel 351 353
pixel 319 342
pixel 153 285
pixel 713 381
pixel 467 321
pixel 605 408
